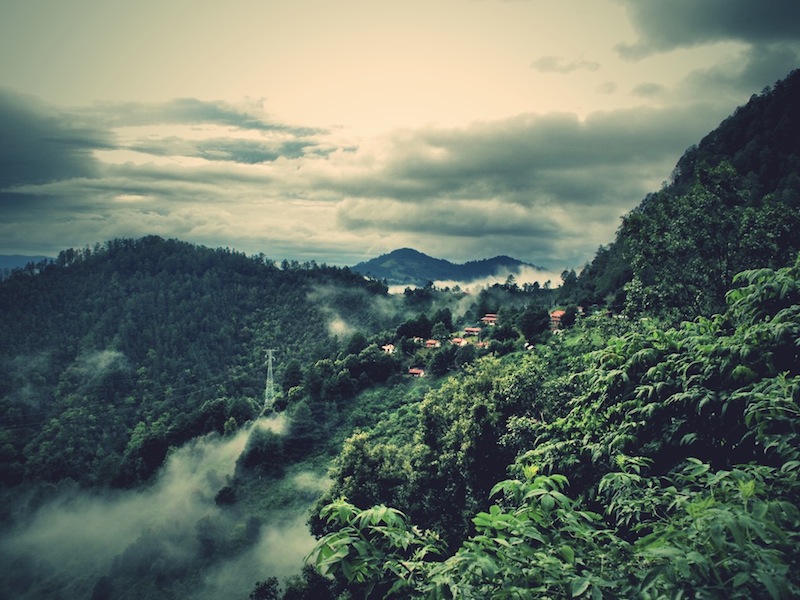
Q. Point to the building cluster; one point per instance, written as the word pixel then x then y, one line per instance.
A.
pixel 469 333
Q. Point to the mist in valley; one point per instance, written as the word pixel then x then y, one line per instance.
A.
pixel 171 537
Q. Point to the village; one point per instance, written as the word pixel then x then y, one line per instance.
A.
pixel 472 336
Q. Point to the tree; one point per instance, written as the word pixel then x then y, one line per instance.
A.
pixel 440 332
pixel 357 342
pixel 569 316
pixel 292 375
pixel 263 452
pixel 266 590
pixel 534 322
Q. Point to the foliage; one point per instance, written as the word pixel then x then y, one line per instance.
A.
pixel 684 250
pixel 681 447
pixel 733 203
pixel 114 354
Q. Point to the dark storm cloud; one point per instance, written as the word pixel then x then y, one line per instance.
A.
pixel 663 26
pixel 745 73
pixel 446 218
pixel 41 144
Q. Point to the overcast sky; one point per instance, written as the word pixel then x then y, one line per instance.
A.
pixel 340 130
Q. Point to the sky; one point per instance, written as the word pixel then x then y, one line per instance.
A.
pixel 339 131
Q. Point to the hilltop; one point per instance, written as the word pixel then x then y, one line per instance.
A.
pixel 407 266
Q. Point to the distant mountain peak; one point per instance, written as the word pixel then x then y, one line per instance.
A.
pixel 407 266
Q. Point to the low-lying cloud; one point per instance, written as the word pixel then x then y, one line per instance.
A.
pixel 78 541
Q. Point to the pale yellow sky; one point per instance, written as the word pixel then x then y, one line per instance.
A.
pixel 369 65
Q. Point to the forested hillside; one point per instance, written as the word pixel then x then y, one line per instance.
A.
pixel 133 378
pixel 733 203
pixel 411 267
pixel 651 463
pixel 112 355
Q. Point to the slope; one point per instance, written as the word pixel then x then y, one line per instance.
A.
pixel 733 204
pixel 112 355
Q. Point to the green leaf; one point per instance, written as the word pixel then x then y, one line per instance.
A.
pixel 579 586
pixel 770 584
pixel 740 579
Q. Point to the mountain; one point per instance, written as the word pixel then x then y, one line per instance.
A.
pixel 18 261
pixel 733 204
pixel 407 266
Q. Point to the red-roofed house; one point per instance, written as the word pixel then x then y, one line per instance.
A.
pixel 416 372
pixel 489 319
pixel 555 318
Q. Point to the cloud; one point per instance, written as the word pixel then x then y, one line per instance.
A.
pixel 545 188
pixel 40 144
pixel 227 149
pixel 248 116
pixel 648 90
pixel 558 64
pixel 744 73
pixel 165 531
pixel 607 88
pixel 665 26
pixel 541 183
pixel 522 276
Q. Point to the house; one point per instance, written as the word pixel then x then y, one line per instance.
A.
pixel 433 344
pixel 416 372
pixel 555 318
pixel 388 348
pixel 470 331
pixel 458 341
pixel 489 319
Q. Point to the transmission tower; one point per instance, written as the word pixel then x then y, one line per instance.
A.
pixel 269 390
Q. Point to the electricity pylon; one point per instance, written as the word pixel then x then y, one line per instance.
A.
pixel 269 390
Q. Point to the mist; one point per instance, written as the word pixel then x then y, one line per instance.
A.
pixel 522 276
pixel 80 544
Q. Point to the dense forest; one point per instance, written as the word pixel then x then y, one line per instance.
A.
pixel 631 433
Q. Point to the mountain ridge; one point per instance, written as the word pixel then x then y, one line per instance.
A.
pixel 407 266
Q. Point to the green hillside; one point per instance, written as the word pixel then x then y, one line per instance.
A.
pixel 647 454
pixel 112 355
pixel 733 203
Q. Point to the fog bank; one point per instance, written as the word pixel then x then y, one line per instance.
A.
pixel 78 544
